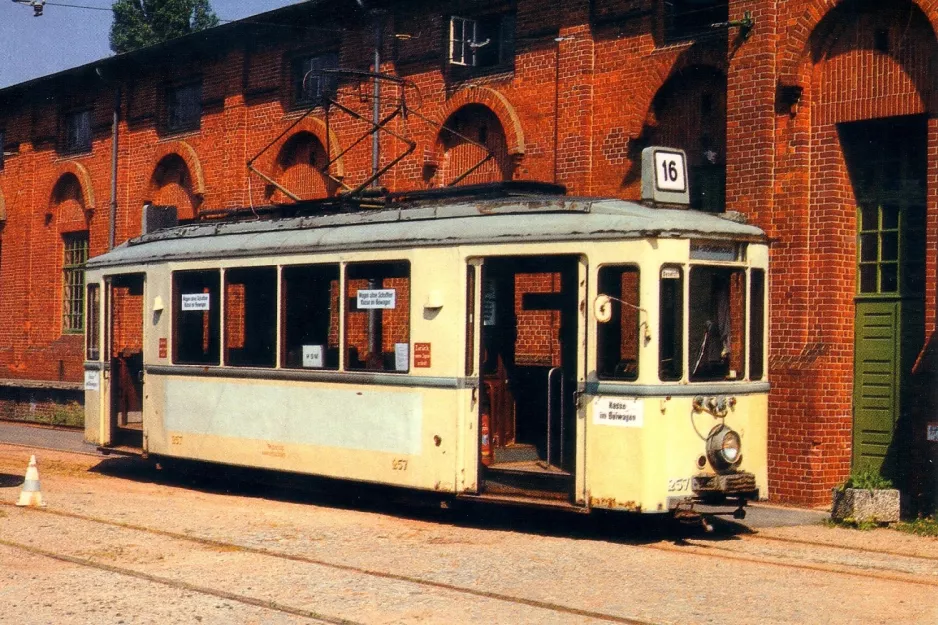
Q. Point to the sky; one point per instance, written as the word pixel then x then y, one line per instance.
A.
pixel 75 32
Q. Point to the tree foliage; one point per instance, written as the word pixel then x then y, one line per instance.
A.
pixel 139 23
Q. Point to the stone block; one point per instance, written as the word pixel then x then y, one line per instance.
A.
pixel 864 505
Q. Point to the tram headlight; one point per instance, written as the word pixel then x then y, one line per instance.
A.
pixel 723 448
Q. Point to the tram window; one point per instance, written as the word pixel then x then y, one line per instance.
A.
pixel 251 317
pixel 311 316
pixel 617 341
pixel 377 318
pixel 671 324
pixel 196 318
pixel 93 332
pixel 717 323
pixel 757 325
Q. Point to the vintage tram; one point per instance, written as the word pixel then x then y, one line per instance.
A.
pixel 503 343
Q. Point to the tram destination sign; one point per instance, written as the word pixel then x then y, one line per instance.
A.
pixel 377 298
pixel 196 301
pixel 619 411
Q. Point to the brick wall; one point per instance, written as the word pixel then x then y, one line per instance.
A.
pixel 589 85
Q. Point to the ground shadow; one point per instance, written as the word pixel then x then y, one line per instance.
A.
pixel 625 528
pixel 7 480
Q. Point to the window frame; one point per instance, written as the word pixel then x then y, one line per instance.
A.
pixel 83 136
pixel 677 28
pixel 300 65
pixel 174 107
pixel 348 310
pixel 496 28
pixel 73 281
pixel 268 336
pixel 214 320
pixel 285 337
pixel 93 321
pixel 680 331
pixel 622 268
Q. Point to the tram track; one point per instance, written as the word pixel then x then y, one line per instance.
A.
pixel 178 584
pixel 687 547
pixel 229 546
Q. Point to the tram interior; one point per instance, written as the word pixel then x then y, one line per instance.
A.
pixel 529 330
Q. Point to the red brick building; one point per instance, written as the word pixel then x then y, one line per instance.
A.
pixel 812 117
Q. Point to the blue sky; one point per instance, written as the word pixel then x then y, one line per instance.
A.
pixel 69 36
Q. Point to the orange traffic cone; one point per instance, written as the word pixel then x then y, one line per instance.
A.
pixel 31 495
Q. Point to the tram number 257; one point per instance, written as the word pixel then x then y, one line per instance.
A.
pixel 679 485
pixel 399 464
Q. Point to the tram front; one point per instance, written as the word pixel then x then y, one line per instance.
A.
pixel 677 403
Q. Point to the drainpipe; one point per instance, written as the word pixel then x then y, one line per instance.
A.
pixel 112 217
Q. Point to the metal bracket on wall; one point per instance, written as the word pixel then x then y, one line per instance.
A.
pixel 745 25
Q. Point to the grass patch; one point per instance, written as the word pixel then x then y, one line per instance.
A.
pixel 68 415
pixel 867 480
pixel 922 526
pixel 853 524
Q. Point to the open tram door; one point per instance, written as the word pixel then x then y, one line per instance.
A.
pixel 531 364
pixel 124 354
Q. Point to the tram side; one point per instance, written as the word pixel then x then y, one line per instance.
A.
pixel 412 366
pixel 215 387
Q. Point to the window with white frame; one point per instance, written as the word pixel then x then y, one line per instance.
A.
pixel 481 42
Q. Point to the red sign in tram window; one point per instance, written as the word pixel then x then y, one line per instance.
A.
pixel 163 348
pixel 421 355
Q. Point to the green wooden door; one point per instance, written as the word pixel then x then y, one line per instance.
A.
pixel 876 397
pixel 886 159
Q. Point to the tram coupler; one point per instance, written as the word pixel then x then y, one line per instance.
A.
pixel 687 515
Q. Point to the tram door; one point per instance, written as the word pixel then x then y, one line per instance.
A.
pixel 529 335
pixel 125 353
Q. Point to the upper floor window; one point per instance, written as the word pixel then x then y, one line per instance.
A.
pixel 184 107
pixel 78 131
pixel 686 19
pixel 73 279
pixel 310 83
pixel 482 42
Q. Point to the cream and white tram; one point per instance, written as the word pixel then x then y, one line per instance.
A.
pixel 516 346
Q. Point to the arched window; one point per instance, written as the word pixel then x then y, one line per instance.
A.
pixel 473 148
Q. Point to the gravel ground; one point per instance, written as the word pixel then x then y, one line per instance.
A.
pixel 628 570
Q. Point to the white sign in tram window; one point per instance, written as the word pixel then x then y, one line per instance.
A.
pixel 312 356
pixel 92 380
pixel 669 171
pixel 401 356
pixel 620 411
pixel 377 298
pixel 196 301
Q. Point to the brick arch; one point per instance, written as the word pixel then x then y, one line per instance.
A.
pixel 84 181
pixel 795 53
pixel 310 125
pixel 500 107
pixel 655 75
pixel 188 155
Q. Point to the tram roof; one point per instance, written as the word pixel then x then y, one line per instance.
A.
pixel 515 219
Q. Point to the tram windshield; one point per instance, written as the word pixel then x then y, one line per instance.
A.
pixel 717 323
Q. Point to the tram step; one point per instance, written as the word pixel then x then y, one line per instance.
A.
pixel 516 453
pixel 542 485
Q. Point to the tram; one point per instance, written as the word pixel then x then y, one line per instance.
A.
pixel 502 343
